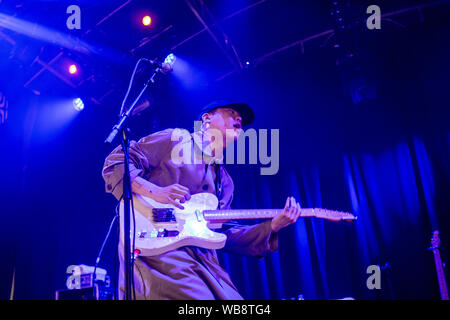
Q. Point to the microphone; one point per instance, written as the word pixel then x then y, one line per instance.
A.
pixel 164 67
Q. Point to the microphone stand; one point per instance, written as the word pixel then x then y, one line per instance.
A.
pixel 127 191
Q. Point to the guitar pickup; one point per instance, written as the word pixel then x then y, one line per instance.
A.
pixel 160 233
pixel 161 215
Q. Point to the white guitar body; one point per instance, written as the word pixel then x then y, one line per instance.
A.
pixel 188 228
pixel 162 227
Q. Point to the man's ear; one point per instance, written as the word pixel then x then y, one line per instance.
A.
pixel 206 117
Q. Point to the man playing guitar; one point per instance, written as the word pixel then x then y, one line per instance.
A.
pixel 191 272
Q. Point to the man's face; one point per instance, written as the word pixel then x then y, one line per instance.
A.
pixel 228 121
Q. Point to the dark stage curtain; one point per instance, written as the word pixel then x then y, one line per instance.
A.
pixel 394 193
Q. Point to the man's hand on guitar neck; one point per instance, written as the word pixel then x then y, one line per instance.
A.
pixel 162 194
pixel 290 214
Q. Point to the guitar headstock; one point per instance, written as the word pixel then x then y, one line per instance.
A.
pixel 435 241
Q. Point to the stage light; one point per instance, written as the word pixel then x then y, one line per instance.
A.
pixel 170 59
pixel 78 104
pixel 73 69
pixel 167 66
pixel 146 21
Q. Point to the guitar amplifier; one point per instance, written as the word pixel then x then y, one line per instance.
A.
pixel 96 292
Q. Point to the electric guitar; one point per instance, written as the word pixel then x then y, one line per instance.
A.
pixel 435 242
pixel 161 227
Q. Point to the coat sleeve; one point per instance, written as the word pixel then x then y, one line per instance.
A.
pixel 144 155
pixel 250 240
pixel 255 240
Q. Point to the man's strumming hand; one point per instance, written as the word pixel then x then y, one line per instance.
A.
pixel 162 194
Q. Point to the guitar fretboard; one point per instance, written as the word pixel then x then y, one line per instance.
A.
pixel 212 215
pixel 220 215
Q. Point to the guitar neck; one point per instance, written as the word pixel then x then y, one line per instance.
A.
pixel 221 215
pixel 440 274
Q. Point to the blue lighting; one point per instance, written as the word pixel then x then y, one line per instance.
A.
pixel 188 73
pixel 78 104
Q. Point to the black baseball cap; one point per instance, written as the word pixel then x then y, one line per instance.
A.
pixel 246 113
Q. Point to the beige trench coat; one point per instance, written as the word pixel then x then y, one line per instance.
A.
pixel 188 272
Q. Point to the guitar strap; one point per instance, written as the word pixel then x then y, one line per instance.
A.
pixel 217 167
pixel 218 182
